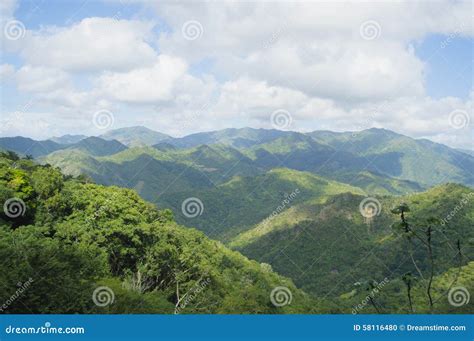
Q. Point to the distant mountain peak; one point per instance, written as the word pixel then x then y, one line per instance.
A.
pixel 68 138
pixel 135 136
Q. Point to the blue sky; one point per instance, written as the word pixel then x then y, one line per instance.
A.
pixel 186 67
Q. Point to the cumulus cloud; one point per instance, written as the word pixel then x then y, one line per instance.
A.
pixel 142 85
pixel 41 79
pixel 94 44
pixel 317 47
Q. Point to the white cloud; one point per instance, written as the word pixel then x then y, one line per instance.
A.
pixel 41 79
pixel 308 58
pixel 316 47
pixel 6 71
pixel 7 8
pixel 141 85
pixel 94 44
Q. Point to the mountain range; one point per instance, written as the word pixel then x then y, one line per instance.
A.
pixel 377 160
pixel 292 202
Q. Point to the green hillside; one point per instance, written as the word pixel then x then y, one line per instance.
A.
pixel 92 236
pixel 235 206
pixel 326 248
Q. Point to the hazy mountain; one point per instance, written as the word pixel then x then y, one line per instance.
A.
pixel 399 163
pixel 135 136
pixel 238 138
pixel 27 146
pixel 68 139
pixel 422 161
pixel 467 151
pixel 98 147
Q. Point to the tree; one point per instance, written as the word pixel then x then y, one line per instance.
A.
pixel 422 232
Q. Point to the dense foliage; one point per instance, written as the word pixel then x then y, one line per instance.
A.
pixel 73 237
pixel 326 248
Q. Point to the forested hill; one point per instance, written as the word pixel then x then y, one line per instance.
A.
pixel 63 240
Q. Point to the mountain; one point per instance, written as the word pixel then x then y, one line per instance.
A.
pixel 377 160
pixel 27 146
pixel 68 139
pixel 467 151
pixel 158 170
pixel 98 147
pixel 402 157
pixel 238 138
pixel 376 183
pixel 233 207
pixel 135 136
pixel 107 245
